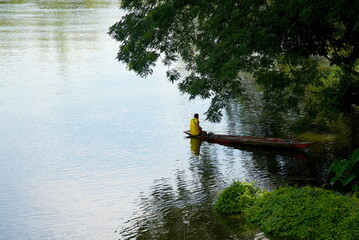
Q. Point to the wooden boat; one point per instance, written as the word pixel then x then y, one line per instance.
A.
pixel 252 141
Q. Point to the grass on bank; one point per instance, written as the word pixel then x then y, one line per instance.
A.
pixel 297 213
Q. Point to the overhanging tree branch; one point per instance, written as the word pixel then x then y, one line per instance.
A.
pixel 218 39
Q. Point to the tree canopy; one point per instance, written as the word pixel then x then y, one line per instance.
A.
pixel 281 43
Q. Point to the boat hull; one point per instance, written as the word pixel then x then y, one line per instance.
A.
pixel 253 141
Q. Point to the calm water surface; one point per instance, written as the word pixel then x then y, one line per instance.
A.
pixel 89 150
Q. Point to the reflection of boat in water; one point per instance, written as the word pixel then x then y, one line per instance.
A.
pixel 252 141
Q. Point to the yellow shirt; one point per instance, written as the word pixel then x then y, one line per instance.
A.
pixel 194 126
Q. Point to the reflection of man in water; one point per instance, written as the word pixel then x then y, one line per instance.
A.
pixel 195 146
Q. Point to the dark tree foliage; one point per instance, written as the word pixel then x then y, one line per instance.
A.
pixel 279 42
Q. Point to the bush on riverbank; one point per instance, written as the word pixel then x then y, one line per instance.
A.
pixel 237 197
pixel 306 213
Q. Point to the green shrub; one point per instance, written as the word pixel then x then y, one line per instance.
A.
pixel 306 213
pixel 237 197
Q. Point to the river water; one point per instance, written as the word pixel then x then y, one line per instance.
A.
pixel 92 151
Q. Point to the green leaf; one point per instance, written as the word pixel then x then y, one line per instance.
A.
pixel 340 168
pixel 354 158
pixel 355 187
pixel 334 164
pixel 349 178
pixel 333 180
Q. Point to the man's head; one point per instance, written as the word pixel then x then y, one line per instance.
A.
pixel 196 115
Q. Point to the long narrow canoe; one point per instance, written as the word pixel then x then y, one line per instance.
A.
pixel 252 141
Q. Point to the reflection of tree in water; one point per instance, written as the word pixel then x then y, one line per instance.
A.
pixel 181 208
pixel 271 169
pixel 252 115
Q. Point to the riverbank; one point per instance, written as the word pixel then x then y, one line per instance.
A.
pixel 295 213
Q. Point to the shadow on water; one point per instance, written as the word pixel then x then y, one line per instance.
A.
pixel 335 130
pixel 274 168
pixel 181 207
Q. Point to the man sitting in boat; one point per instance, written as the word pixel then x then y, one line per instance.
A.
pixel 194 127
